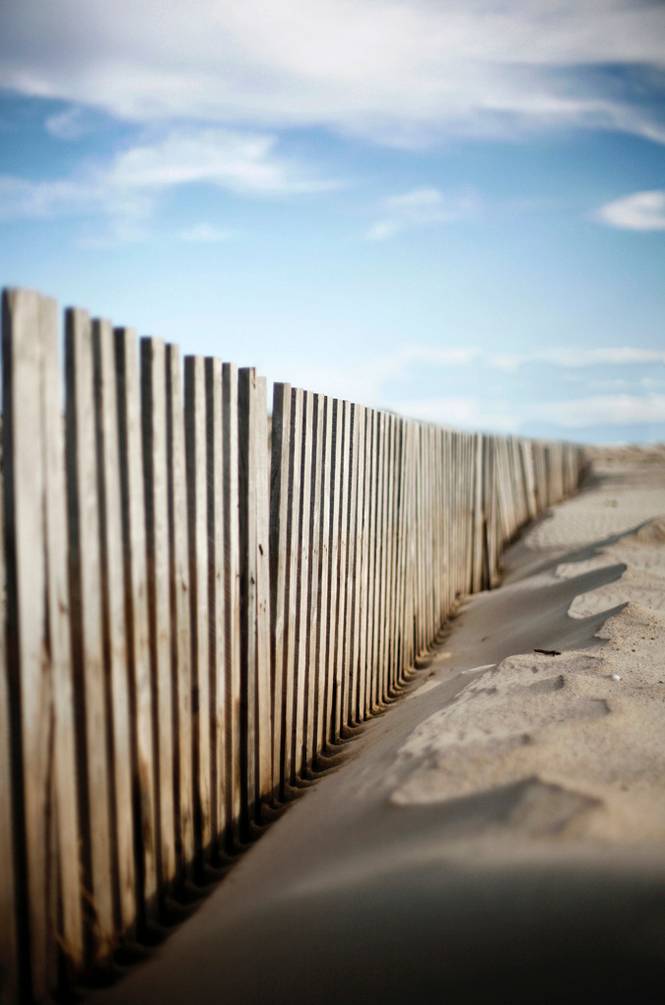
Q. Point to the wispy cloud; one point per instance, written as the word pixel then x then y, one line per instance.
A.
pixel 420 207
pixel 69 124
pixel 205 233
pixel 503 415
pixel 639 211
pixel 602 410
pixel 573 358
pixel 126 190
pixel 397 71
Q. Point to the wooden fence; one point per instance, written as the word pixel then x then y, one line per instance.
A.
pixel 191 626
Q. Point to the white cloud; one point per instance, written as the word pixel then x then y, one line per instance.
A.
pixel 68 124
pixel 639 211
pixel 602 410
pixel 246 163
pixel 205 233
pixel 462 413
pixel 420 207
pixel 516 415
pixel 575 358
pixel 125 190
pixel 399 71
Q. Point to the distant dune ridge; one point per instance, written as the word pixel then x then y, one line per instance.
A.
pixel 500 837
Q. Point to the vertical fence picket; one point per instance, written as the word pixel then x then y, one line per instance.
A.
pixel 371 565
pixel 280 506
pixel 87 640
pixel 197 515
pixel 216 601
pixel 232 616
pixel 353 665
pixel 264 738
pixel 136 616
pixel 350 566
pixel 336 433
pixel 291 615
pixel 254 558
pixel 8 823
pixel 154 386
pixel 323 638
pixel 37 642
pixel 180 613
pixel 114 624
pixel 314 599
pixel 302 619
pixel 345 465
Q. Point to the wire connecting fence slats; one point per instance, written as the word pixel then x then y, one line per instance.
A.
pixel 199 605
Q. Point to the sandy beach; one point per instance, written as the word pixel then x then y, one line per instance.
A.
pixel 500 834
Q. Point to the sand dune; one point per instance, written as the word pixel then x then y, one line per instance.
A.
pixel 498 837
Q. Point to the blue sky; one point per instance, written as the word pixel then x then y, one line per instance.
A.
pixel 452 209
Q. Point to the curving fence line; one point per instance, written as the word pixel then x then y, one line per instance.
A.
pixel 200 605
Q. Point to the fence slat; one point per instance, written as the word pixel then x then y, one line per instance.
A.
pixel 197 506
pixel 324 627
pixel 291 615
pixel 255 641
pixel 136 615
pixel 345 468
pixel 334 546
pixel 154 414
pixel 8 823
pixel 281 503
pixel 312 661
pixel 93 743
pixel 264 748
pixel 37 640
pixel 180 614
pixel 302 622
pixel 232 594
pixel 216 599
pixel 114 633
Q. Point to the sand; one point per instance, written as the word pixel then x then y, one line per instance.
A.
pixel 500 834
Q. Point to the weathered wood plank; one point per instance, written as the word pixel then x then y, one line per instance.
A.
pixel 249 739
pixel 324 626
pixel 334 548
pixel 154 385
pixel 180 614
pixel 350 564
pixel 215 613
pixel 197 516
pixel 91 710
pixel 9 963
pixel 136 615
pixel 232 595
pixel 113 622
pixel 264 737
pixel 370 658
pixel 281 504
pixel 356 576
pixel 343 539
pixel 37 639
pixel 302 622
pixel 314 598
pixel 293 548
